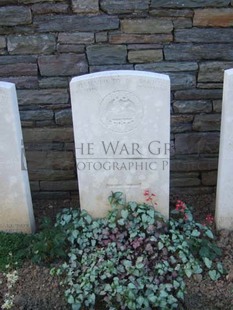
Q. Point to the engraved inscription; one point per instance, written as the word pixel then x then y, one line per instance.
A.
pixel 120 111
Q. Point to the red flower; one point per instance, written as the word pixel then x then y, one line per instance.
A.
pixel 180 206
pixel 209 219
pixel 149 196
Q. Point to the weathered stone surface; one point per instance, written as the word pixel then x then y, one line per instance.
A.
pixel 71 48
pixel 46 123
pixel 43 96
pixel 62 65
pixel 182 23
pixel 15 15
pixel 34 185
pixel 53 175
pixel 171 13
pixel 26 124
pixel 22 82
pixel 50 195
pixel 2 42
pixel 217 106
pixel 18 69
pixel 36 115
pixel 41 146
pixel 207 122
pixel 119 6
pixel 191 106
pixel 76 38
pixel 54 82
pixel 63 23
pixel 213 17
pixel 37 1
pixel 181 123
pixel 87 6
pixel 144 46
pixel 181 80
pixel 101 37
pixel 4 60
pixel 8 2
pixel 213 71
pixel 198 94
pixel 123 38
pixel 168 67
pixel 48 135
pixel 209 178
pixel 110 68
pixel 48 8
pixel 50 160
pixel 106 54
pixel 197 143
pixel 147 26
pixel 69 185
pixel 198 51
pixel 210 85
pixel 145 56
pixel 184 181
pixel 188 3
pixel 34 44
pixel 63 117
pixel 198 35
pixel 194 164
pixel 192 191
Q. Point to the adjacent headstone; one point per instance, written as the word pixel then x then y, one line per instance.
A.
pixel 122 133
pixel 224 197
pixel 16 213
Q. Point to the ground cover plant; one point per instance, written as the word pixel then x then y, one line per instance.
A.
pixel 135 258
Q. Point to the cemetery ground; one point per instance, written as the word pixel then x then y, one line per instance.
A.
pixel 37 289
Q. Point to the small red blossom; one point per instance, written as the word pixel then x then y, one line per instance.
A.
pixel 180 206
pixel 209 219
pixel 149 197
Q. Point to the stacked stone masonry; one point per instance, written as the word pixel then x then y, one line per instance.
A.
pixel 43 44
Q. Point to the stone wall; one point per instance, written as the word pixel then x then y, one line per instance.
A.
pixel 44 43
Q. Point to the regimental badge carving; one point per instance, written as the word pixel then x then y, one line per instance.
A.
pixel 121 111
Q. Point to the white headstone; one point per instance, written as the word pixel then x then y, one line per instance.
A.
pixel 16 213
pixel 122 133
pixel 224 197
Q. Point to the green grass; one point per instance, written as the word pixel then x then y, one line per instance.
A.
pixel 16 244
pixel 44 247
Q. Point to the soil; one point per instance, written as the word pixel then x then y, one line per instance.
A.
pixel 36 289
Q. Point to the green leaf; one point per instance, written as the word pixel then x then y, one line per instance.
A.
pixel 117 195
pixel 214 275
pixel 124 213
pixel 70 299
pixel 207 262
pixel 195 233
pixel 220 267
pixel 121 222
pixel 131 286
pixel 160 245
pixel 188 272
pixel 209 234
pixel 152 298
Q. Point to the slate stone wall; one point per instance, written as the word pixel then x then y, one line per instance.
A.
pixel 44 43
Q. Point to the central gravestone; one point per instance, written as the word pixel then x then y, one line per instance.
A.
pixel 122 132
pixel 16 213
